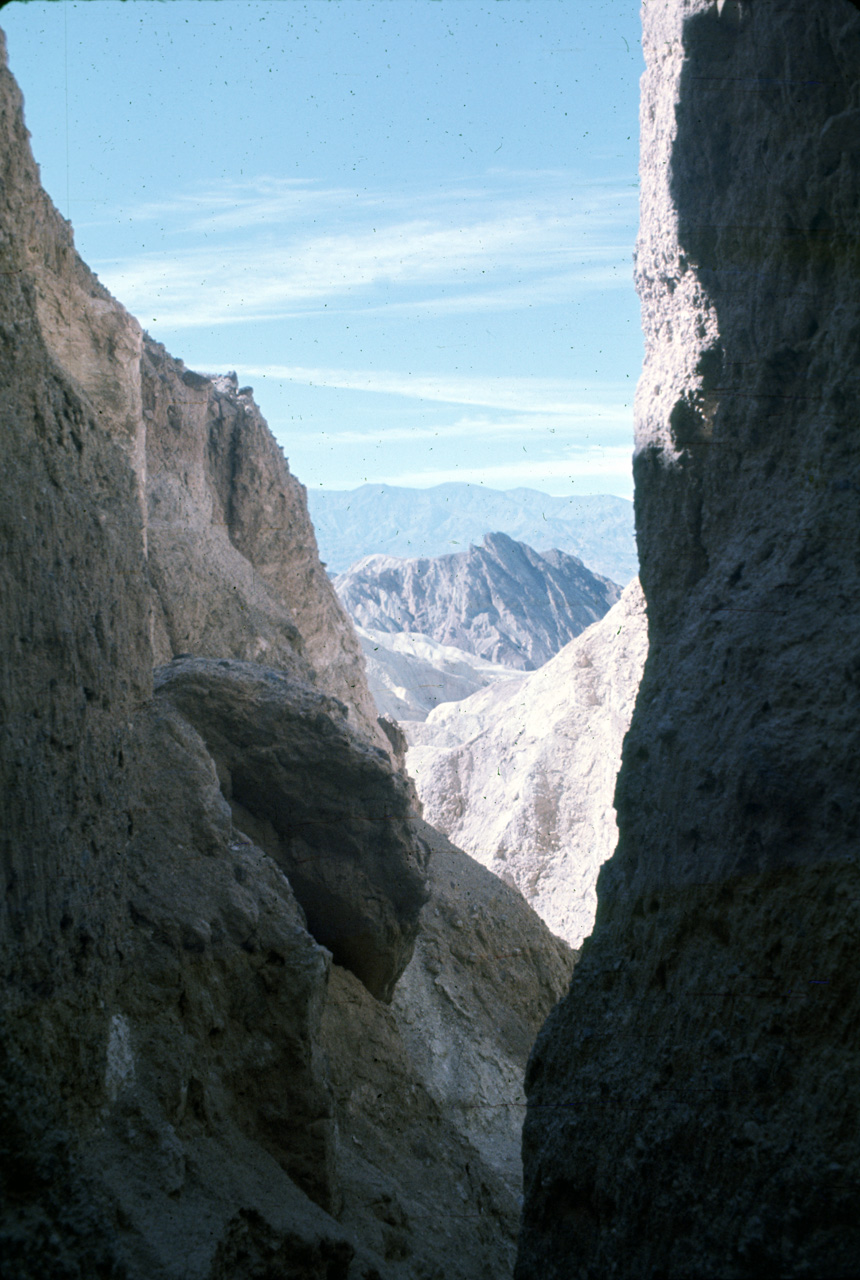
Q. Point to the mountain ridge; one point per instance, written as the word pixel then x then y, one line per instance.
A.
pixel 503 601
pixel 404 522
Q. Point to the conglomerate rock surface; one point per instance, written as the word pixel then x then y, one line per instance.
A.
pixel 178 1051
pixel 691 1101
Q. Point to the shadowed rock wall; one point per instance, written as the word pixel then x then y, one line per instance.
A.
pixel 689 1112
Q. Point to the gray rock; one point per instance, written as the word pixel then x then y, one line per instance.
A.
pixel 428 1091
pixel 502 601
pixel 688 1114
pixel 326 805
pixel 231 549
pixel 409 674
pixel 167 1110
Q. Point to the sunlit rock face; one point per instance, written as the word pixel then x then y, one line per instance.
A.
pixel 688 1113
pixel 231 549
pixel 522 773
pixel 503 601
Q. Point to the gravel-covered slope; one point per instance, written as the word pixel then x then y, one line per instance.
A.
pixel 409 673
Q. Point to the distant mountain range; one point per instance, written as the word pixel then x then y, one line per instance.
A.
pixel 384 519
pixel 503 601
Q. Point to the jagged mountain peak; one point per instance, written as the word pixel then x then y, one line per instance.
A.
pixel 502 600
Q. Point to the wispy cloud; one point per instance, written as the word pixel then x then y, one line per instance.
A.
pixel 610 464
pixel 265 201
pixel 551 429
pixel 243 205
pixel 530 395
pixel 465 251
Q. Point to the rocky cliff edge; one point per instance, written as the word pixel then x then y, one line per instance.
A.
pixel 213 875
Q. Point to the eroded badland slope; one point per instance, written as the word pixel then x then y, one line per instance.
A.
pixel 215 884
pixel 692 1102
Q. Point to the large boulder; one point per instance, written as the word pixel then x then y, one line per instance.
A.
pixel 328 806
pixel 688 1107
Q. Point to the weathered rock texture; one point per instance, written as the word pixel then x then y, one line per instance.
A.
pixel 428 1092
pixel 326 805
pixel 690 1105
pixel 522 774
pixel 232 553
pixel 502 601
pixel 183 1068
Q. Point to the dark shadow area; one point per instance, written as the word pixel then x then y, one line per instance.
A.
pixel 689 1082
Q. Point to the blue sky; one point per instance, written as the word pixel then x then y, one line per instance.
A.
pixel 408 224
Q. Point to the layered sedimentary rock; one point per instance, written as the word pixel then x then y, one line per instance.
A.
pixel 212 879
pixel 688 1109
pixel 502 601
pixel 522 774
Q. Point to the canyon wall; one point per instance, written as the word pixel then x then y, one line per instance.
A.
pixel 216 886
pixel 691 1101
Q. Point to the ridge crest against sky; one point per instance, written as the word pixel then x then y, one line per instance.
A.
pixel 409 223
